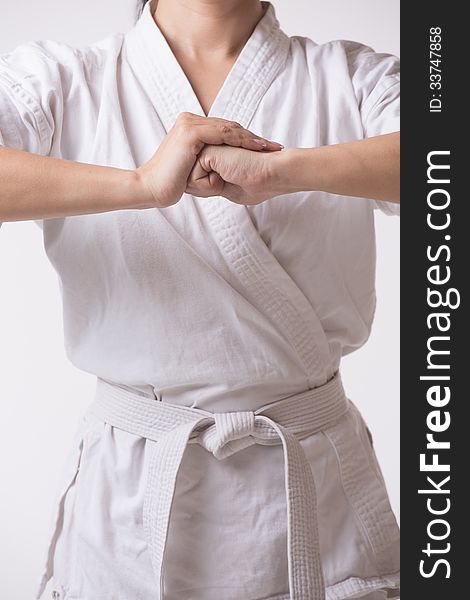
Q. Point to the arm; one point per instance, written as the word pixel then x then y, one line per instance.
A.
pixel 36 187
pixel 40 187
pixel 368 168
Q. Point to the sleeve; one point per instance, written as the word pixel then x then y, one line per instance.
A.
pixel 31 98
pixel 376 81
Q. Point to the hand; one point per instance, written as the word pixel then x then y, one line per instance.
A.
pixel 164 177
pixel 242 176
pixel 367 168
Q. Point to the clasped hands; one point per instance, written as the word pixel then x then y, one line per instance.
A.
pixel 206 156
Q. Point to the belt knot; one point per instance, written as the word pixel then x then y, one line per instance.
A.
pixel 285 422
pixel 228 433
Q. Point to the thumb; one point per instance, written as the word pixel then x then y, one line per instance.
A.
pixel 203 182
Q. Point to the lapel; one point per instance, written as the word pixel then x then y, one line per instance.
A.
pixel 267 285
pixel 166 84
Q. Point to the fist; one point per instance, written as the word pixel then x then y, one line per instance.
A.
pixel 240 175
pixel 164 177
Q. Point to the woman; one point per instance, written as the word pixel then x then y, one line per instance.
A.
pixel 211 280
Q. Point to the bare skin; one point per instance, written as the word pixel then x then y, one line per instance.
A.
pixel 41 187
pixel 218 32
pixel 367 168
pixel 201 155
pixel 36 187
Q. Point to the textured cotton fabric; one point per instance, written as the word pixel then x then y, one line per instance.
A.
pixel 211 305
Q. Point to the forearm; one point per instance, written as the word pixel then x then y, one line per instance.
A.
pixel 37 187
pixel 367 168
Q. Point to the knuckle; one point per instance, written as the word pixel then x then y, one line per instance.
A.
pixel 225 129
pixel 184 116
pixel 184 120
pixel 193 146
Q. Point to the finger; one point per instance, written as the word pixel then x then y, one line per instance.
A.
pixel 200 170
pixel 232 134
pixel 216 184
pixel 203 181
pixel 255 142
pixel 211 185
pixel 234 193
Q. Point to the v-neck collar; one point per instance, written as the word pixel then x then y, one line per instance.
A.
pixel 261 58
pixel 265 282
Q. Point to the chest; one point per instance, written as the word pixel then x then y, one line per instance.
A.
pixel 206 77
pixel 123 120
pixel 121 124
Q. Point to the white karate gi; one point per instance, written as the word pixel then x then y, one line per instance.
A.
pixel 214 306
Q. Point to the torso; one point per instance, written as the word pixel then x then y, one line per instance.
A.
pixel 185 274
pixel 217 306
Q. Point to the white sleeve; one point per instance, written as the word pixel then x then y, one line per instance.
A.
pixel 31 98
pixel 376 80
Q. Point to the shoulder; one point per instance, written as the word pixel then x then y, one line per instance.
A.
pixel 349 65
pixel 44 59
pixel 351 54
pixel 42 80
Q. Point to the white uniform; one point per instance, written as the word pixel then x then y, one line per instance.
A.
pixel 217 307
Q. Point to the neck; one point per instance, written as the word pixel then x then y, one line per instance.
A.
pixel 198 27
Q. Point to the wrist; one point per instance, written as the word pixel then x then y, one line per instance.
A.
pixel 293 170
pixel 140 194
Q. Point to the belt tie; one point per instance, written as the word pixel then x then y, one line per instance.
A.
pixel 283 422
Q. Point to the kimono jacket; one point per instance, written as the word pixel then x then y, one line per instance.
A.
pixel 205 312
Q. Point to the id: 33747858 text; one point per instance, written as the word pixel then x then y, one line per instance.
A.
pixel 435 71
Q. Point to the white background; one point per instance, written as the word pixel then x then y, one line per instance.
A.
pixel 42 395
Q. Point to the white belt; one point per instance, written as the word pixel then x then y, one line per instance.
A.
pixel 285 421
